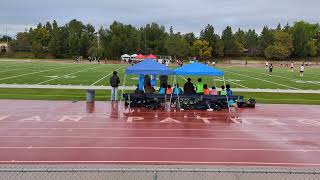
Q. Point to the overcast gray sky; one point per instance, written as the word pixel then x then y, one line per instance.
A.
pixel 184 15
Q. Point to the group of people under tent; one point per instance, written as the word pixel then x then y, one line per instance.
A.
pixel 147 84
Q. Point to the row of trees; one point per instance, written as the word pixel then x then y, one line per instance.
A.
pixel 75 38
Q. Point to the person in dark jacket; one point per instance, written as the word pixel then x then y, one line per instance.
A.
pixel 149 89
pixel 163 80
pixel 147 80
pixel 188 87
pixel 114 83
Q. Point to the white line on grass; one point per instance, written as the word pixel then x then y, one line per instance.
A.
pixel 183 78
pixel 68 75
pixel 264 80
pixel 104 77
pixel 10 77
pixel 11 70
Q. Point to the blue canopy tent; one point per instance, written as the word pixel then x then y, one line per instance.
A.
pixel 198 69
pixel 147 67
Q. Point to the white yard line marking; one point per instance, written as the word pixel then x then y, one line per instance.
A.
pixel 168 162
pixel 163 148
pixel 105 77
pixel 185 138
pixel 237 84
pixel 231 82
pixel 12 70
pixel 183 78
pixel 10 77
pixel 293 80
pixel 68 74
pixel 263 80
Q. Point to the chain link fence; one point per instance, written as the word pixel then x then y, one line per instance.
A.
pixel 153 173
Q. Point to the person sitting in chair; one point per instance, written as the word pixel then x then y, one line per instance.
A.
pixel 162 90
pixel 229 91
pixel 188 87
pixel 137 91
pixel 223 92
pixel 169 90
pixel 213 92
pixel 177 90
pixel 149 89
pixel 206 90
pixel 199 86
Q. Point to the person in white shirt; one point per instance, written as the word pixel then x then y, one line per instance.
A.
pixel 292 66
pixel 267 65
pixel 301 70
pixel 167 63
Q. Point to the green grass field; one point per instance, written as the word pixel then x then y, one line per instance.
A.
pixel 93 74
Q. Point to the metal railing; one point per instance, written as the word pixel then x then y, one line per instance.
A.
pixel 96 172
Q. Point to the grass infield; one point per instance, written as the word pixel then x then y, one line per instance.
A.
pixel 53 73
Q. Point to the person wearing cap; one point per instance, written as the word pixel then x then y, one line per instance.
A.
pixel 114 83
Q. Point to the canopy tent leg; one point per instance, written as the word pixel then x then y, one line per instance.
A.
pixel 224 82
pixel 178 96
pixel 123 86
pixel 174 82
pixel 214 82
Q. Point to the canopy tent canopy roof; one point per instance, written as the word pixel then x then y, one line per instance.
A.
pixel 151 56
pixel 149 67
pixel 134 55
pixel 198 69
pixel 125 56
pixel 140 56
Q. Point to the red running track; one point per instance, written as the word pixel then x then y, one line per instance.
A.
pixel 63 132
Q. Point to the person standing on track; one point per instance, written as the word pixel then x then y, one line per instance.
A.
pixel 301 70
pixel 114 82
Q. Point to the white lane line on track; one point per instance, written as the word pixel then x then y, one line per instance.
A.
pixel 10 77
pixel 168 162
pixel 144 137
pixel 165 162
pixel 182 123
pixel 68 74
pixel 162 148
pixel 263 80
pixel 105 77
pixel 175 129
